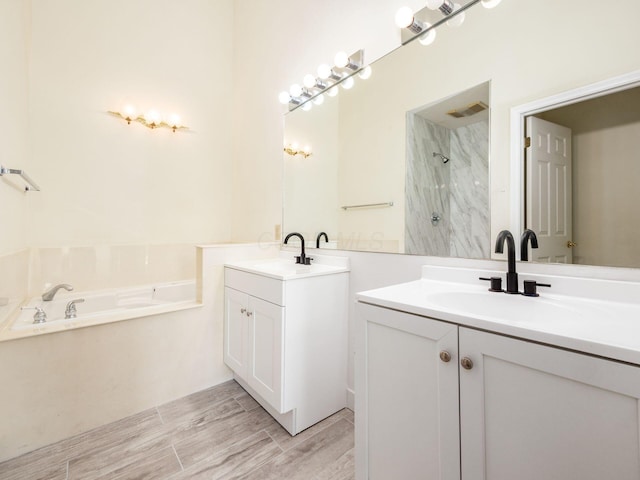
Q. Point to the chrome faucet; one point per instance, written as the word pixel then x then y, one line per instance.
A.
pixel 49 294
pixel 512 276
pixel 70 311
pixel 302 259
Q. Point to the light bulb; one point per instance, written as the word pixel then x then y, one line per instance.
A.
pixel 129 111
pixel 341 60
pixel 333 91
pixel 319 100
pixel 324 71
pixel 365 73
pixel 404 17
pixel 347 83
pixel 434 4
pixel 295 90
pixel 458 19
pixel 490 3
pixel 152 117
pixel 294 146
pixel 307 106
pixel 307 149
pixel 429 37
pixel 174 120
pixel 284 97
pixel 309 81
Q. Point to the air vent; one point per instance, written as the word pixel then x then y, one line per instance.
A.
pixel 469 110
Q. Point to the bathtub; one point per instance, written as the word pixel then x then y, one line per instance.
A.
pixel 104 306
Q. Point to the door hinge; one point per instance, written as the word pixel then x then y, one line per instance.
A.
pixel 527 142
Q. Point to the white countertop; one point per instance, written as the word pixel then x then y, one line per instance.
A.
pixel 587 323
pixel 284 267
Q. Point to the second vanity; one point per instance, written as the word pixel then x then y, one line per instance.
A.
pixel 456 382
pixel 285 335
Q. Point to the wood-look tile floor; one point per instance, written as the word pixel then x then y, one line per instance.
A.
pixel 219 433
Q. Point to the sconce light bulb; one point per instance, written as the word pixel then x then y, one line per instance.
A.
pixel 324 71
pixel 458 19
pixel 294 146
pixel 347 83
pixel 174 120
pixel 307 149
pixel 490 3
pixel 309 81
pixel 295 90
pixel 152 117
pixel 404 17
pixel 307 106
pixel 333 91
pixel 365 73
pixel 429 37
pixel 129 112
pixel 341 60
pixel 434 4
pixel 284 97
pixel 319 100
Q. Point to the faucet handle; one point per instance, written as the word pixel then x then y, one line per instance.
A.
pixel 530 288
pixel 39 317
pixel 496 283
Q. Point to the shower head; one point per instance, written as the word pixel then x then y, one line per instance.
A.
pixel 442 157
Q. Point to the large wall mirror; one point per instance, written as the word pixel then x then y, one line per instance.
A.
pixel 390 172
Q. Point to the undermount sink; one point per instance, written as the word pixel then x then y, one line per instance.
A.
pixel 495 304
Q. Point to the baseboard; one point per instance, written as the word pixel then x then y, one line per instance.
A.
pixel 351 400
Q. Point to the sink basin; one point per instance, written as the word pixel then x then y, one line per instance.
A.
pixel 493 304
pixel 287 269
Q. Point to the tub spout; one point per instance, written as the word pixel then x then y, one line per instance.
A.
pixel 49 294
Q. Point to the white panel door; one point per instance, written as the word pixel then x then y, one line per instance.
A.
pixel 266 353
pixel 407 424
pixel 236 354
pixel 532 412
pixel 548 190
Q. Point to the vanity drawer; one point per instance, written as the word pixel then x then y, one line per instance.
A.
pixel 269 289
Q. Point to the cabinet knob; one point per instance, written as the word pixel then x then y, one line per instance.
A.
pixel 243 310
pixel 249 313
pixel 445 356
pixel 466 363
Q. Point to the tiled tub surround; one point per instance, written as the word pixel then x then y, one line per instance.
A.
pixel 456 190
pixel 64 383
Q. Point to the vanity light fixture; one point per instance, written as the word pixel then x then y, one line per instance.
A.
pixel 416 25
pixel 293 150
pixel 152 119
pixel 328 77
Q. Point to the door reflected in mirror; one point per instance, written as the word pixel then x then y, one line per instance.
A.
pixel 581 180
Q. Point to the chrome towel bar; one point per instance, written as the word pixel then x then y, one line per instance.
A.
pixel 368 205
pixel 31 185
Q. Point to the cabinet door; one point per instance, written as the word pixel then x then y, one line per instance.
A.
pixel 407 423
pixel 266 354
pixel 532 412
pixel 236 354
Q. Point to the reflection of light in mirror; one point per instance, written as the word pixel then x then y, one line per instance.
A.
pixel 319 100
pixel 347 83
pixel 429 37
pixel 307 106
pixel 490 3
pixel 365 73
pixel 333 91
pixel 458 19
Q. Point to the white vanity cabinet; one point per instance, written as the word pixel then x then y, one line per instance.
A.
pixel 522 410
pixel 285 340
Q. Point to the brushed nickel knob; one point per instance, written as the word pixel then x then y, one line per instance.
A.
pixel 243 310
pixel 466 363
pixel 249 313
pixel 445 356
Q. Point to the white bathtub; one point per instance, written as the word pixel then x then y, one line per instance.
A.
pixel 103 306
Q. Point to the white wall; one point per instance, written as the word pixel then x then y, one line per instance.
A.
pixel 106 182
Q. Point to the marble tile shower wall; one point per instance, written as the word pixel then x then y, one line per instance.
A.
pixel 457 191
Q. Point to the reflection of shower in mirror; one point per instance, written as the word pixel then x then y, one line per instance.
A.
pixel 442 157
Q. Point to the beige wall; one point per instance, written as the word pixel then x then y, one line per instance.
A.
pixel 14 25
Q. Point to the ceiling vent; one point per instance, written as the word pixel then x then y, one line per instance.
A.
pixel 469 110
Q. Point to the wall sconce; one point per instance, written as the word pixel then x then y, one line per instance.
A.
pixel 326 81
pixel 293 150
pixel 152 119
pixel 416 25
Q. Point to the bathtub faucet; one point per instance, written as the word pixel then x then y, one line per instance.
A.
pixel 70 311
pixel 49 294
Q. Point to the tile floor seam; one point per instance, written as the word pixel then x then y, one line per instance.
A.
pixel 274 441
pixel 178 457
pixel 160 415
